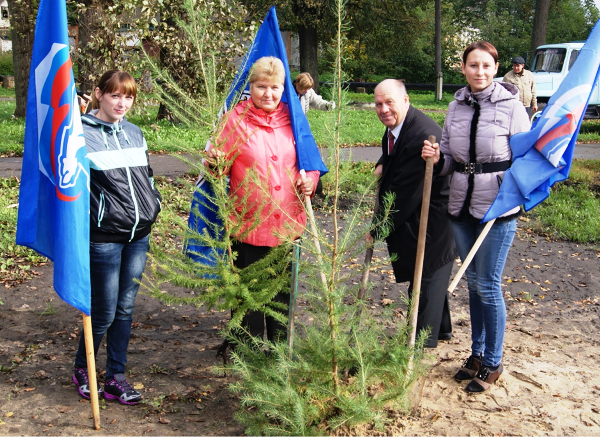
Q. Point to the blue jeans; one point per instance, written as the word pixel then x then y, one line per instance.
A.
pixel 484 278
pixel 113 268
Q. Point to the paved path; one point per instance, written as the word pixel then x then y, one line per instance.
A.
pixel 171 166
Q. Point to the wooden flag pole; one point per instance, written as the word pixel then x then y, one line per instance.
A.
pixel 368 257
pixel 313 229
pixel 471 255
pixel 416 289
pixel 91 364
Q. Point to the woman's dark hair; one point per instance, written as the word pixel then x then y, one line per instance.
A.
pixel 115 81
pixel 480 45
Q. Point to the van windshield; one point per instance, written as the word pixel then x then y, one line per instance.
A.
pixel 550 60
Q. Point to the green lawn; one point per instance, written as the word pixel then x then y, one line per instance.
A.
pixel 572 211
pixel 359 127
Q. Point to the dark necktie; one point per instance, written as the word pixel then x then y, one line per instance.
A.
pixel 390 142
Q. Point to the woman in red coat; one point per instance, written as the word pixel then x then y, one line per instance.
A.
pixel 265 183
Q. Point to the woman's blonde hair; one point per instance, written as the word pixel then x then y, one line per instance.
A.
pixel 115 81
pixel 268 67
pixel 303 81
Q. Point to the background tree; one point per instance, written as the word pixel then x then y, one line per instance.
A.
pixel 231 32
pixel 570 20
pixel 22 21
pixel 98 22
pixel 540 19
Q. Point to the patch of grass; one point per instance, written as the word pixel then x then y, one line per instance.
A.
pixel 439 117
pixel 164 137
pixel 426 100
pixel 6 64
pixel 589 132
pixel 50 309
pixel 586 171
pixel 7 93
pixel 359 127
pixel 355 178
pixel 419 99
pixel 15 261
pixel 572 211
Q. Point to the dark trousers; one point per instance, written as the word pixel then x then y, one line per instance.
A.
pixel 434 309
pixel 256 321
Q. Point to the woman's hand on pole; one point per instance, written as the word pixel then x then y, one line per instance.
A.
pixel 431 150
pixel 305 185
pixel 212 157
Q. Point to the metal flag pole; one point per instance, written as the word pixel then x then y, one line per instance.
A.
pixel 293 293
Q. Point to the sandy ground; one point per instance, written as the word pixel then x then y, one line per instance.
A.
pixel 548 386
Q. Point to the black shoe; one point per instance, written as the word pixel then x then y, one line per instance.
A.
pixel 469 368
pixel 445 336
pixel 80 379
pixel 484 379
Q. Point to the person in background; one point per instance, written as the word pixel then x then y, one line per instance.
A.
pixel 402 173
pixel 525 82
pixel 258 142
pixel 303 84
pixel 475 150
pixel 124 204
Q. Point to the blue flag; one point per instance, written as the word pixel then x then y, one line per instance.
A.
pixel 542 156
pixel 54 199
pixel 268 42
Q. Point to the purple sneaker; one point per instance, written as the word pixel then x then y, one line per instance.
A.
pixel 118 388
pixel 80 379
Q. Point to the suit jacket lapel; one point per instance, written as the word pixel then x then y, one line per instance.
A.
pixel 398 145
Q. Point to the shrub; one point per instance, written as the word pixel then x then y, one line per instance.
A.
pixel 6 64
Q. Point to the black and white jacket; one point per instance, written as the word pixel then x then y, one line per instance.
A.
pixel 123 200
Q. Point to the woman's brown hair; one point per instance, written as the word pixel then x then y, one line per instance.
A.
pixel 115 81
pixel 303 81
pixel 480 45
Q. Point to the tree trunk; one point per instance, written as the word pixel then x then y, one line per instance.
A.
pixel 309 63
pixel 538 34
pixel 94 37
pixel 438 51
pixel 164 113
pixel 22 21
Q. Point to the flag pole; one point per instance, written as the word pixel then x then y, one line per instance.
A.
pixel 471 255
pixel 293 293
pixel 367 263
pixel 313 229
pixel 416 289
pixel 91 364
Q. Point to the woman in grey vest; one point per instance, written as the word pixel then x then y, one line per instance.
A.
pixel 475 150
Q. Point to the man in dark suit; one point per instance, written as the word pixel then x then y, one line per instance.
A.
pixel 402 172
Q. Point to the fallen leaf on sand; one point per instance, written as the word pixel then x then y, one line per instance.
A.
pixel 526 378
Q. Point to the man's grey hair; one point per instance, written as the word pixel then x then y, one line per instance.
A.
pixel 397 82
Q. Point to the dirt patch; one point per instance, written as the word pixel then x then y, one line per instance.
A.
pixel 548 387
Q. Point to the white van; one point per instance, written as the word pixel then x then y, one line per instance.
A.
pixel 550 65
